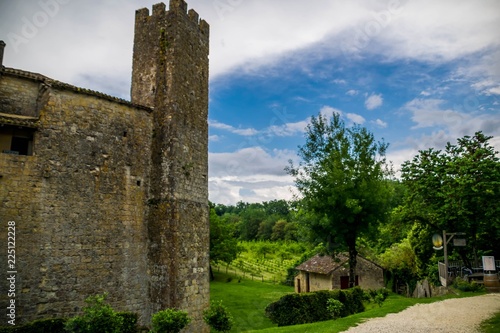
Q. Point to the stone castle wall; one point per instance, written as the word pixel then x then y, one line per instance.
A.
pixel 79 204
pixel 114 197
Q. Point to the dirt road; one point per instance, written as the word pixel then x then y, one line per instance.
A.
pixel 451 315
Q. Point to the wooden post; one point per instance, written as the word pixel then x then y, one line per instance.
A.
pixel 445 243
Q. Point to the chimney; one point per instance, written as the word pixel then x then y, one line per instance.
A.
pixel 2 46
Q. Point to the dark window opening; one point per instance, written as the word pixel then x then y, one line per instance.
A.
pixel 344 282
pixel 16 140
pixel 138 183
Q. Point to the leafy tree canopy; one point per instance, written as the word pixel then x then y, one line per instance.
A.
pixel 342 176
pixel 458 190
pixel 223 245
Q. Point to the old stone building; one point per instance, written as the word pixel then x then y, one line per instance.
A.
pixel 109 195
pixel 327 273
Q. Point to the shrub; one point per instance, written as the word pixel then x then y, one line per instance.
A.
pixel 335 307
pixel 169 321
pixel 129 322
pixel 218 317
pixel 464 285
pixel 98 317
pixel 38 326
pixel 376 296
pixel 296 309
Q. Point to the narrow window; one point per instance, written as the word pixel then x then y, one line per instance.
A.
pixel 16 140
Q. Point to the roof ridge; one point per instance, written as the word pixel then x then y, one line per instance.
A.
pixel 59 84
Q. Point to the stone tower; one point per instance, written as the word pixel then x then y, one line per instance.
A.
pixel 170 75
pixel 109 195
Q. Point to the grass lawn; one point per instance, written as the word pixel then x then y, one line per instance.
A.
pixel 246 300
pixel 394 303
pixel 491 325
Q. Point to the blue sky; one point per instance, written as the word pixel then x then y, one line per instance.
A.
pixel 416 73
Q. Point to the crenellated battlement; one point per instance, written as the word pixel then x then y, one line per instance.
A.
pixel 177 7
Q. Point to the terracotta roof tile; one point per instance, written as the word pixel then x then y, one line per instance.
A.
pixel 323 264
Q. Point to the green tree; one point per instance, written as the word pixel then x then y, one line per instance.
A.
pixel 252 216
pixel 169 321
pixel 458 190
pixel 264 248
pixel 343 179
pixel 266 228
pixel 223 245
pixel 277 207
pixel 400 261
pixel 279 230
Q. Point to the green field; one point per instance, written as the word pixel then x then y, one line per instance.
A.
pixel 247 299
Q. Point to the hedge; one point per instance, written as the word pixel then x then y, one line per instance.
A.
pixel 38 326
pixel 57 325
pixel 294 309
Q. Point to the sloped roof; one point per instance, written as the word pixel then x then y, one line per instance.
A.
pixel 323 264
pixel 61 85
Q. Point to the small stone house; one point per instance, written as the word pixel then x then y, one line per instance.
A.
pixel 322 272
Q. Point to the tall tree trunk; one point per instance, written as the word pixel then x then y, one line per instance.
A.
pixel 352 262
pixel 212 277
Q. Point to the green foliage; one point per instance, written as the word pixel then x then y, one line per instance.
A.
pixel 400 262
pixel 98 317
pixel 296 309
pixel 223 245
pixel 457 190
pixel 343 179
pixel 129 322
pixel 464 285
pixel 292 272
pixel 272 220
pixel 334 307
pixel 38 326
pixel 394 303
pixel 169 321
pixel 218 317
pixel 376 296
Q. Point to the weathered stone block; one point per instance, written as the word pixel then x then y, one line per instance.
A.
pixel 114 197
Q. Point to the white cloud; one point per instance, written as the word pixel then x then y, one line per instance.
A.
pixel 98 36
pixel 328 111
pixel 258 174
pixel 352 92
pixel 288 129
pixel 214 138
pixel 380 123
pixel 447 124
pixel 440 30
pixel 425 93
pixel 339 81
pixel 355 118
pixel 494 90
pixel 487 87
pixel 374 101
pixel 232 129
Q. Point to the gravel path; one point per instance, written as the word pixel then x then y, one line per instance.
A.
pixel 451 315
